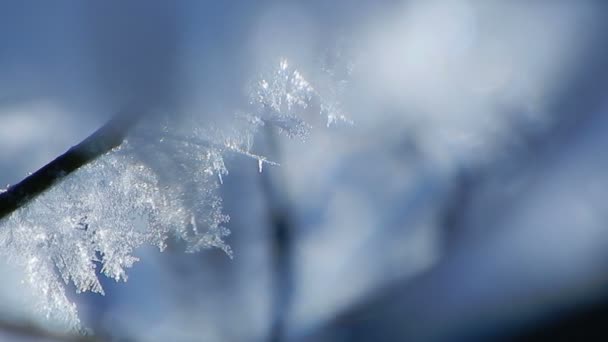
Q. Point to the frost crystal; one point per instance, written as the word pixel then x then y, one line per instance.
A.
pixel 161 183
pixel 285 96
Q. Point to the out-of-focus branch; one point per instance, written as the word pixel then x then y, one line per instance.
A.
pixel 109 136
pixel 29 331
pixel 281 235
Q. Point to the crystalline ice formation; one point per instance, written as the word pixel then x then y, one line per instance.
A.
pixel 97 217
pixel 284 96
pixel 162 182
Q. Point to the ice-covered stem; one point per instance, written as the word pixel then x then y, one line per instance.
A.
pixel 109 136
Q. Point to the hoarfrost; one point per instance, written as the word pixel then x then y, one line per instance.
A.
pixel 162 182
pixel 284 98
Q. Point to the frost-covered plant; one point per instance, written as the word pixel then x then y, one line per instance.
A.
pixel 160 182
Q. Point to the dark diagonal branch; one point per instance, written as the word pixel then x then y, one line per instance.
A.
pixel 102 141
pixel 31 332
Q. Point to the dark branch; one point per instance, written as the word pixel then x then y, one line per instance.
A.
pixel 30 331
pixel 102 141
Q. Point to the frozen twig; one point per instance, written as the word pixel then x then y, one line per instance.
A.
pixel 106 138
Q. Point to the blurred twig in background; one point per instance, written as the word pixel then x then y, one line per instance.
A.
pixel 32 332
pixel 281 232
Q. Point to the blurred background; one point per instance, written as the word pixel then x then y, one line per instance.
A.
pixel 467 201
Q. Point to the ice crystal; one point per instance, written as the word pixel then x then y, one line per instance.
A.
pixel 284 97
pixel 162 182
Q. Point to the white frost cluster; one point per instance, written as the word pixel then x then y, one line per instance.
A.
pixel 286 96
pixel 161 183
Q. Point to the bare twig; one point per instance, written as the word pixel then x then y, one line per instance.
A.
pixel 281 227
pixel 31 330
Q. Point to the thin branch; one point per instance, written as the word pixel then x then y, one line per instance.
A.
pixel 281 225
pixel 30 330
pixel 109 136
